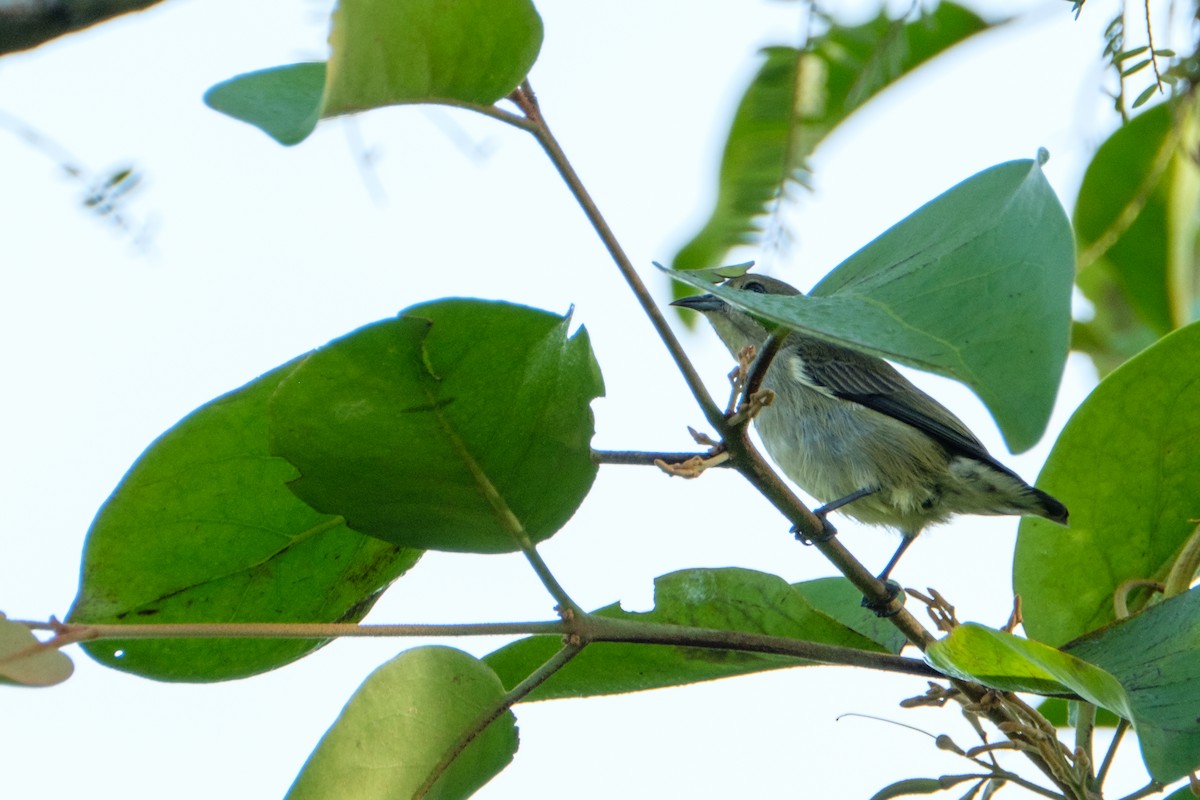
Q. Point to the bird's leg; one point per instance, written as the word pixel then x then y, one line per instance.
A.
pixel 827 529
pixel 890 607
pixel 891 565
pixel 858 494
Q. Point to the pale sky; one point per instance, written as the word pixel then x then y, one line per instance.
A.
pixel 257 253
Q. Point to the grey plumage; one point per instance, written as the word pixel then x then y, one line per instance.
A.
pixel 844 421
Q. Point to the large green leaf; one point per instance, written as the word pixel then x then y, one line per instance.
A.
pixel 204 529
pixel 795 101
pixel 719 599
pixel 401 723
pixel 1012 664
pixel 1145 668
pixel 1156 656
pixel 461 425
pixel 974 285
pixel 1127 464
pixel 390 52
pixel 1137 221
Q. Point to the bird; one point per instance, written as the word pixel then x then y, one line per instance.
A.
pixel 855 434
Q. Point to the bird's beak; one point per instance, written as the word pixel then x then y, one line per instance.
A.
pixel 701 303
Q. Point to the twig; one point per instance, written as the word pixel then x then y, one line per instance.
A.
pixel 1150 43
pixel 644 458
pixel 587 627
pixel 525 100
pixel 1111 753
pixel 536 679
pixel 758 370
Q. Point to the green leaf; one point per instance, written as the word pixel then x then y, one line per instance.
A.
pixel 204 529
pixel 1127 465
pixel 1145 668
pixel 23 662
pixel 285 102
pixel 391 52
pixel 842 601
pixel 386 52
pixel 1156 657
pixel 1145 96
pixel 795 101
pixel 1125 73
pixel 1137 225
pixel 1006 662
pixel 974 285
pixel 720 599
pixel 461 425
pixel 1126 54
pixel 406 716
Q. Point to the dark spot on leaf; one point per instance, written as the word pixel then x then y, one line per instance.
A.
pixel 427 407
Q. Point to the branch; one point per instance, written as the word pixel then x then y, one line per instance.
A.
pixel 527 102
pixel 25 25
pixel 535 679
pixel 643 458
pixel 586 628
pixel 745 457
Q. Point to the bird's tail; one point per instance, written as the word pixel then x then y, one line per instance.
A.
pixel 1049 507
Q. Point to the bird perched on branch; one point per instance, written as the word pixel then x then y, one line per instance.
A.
pixel 857 435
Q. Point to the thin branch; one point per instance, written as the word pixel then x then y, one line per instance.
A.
pixel 25 25
pixel 1184 567
pixel 758 370
pixel 1153 787
pixel 527 102
pixel 643 458
pixel 587 628
pixel 1085 726
pixel 1150 42
pixel 1012 777
pixel 745 457
pixel 608 629
pixel 1118 734
pixel 536 679
pixel 82 631
pixel 565 603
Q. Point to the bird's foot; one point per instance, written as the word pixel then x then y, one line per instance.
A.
pixel 827 530
pixel 888 606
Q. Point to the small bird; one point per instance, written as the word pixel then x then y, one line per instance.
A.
pixel 855 434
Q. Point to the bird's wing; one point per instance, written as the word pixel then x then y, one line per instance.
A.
pixel 872 382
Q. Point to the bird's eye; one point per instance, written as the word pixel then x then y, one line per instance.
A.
pixel 755 286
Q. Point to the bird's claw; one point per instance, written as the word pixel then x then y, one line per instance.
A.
pixel 827 531
pixel 891 605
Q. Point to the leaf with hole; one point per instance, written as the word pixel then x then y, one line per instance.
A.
pixel 461 425
pixel 719 599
